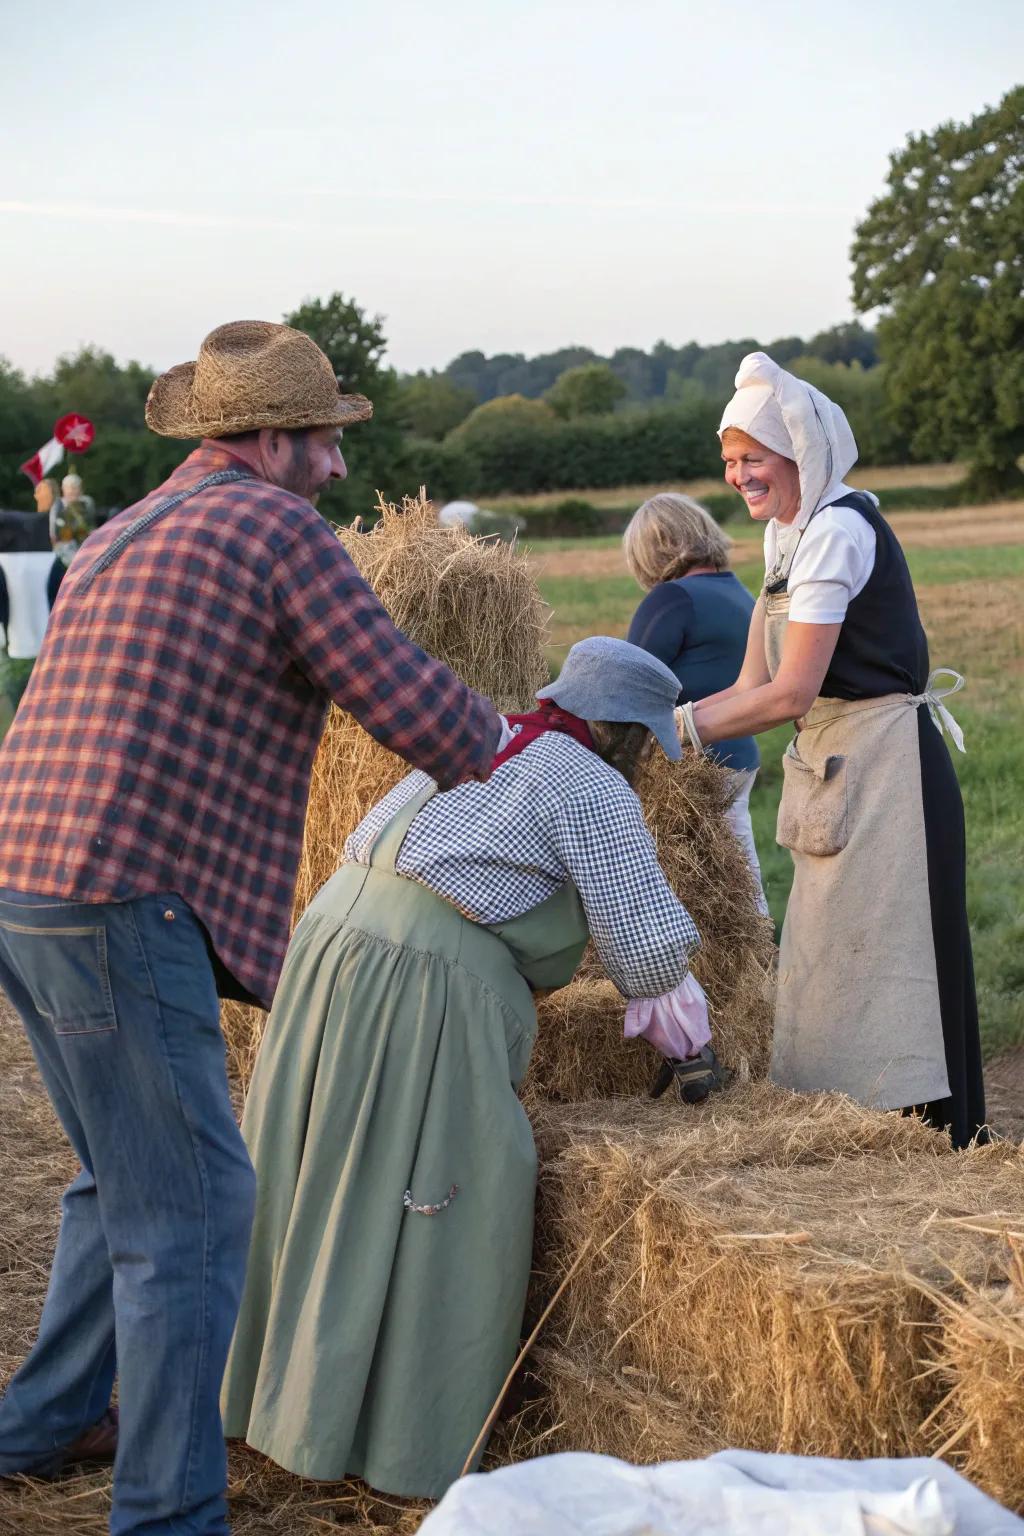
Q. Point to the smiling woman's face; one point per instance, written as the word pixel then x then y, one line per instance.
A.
pixel 768 482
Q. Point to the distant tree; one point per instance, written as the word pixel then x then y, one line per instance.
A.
pixel 505 444
pixel 534 376
pixel 429 405
pixel 848 343
pixel 110 393
pixel 356 344
pixel 592 390
pixel 862 394
pixel 508 413
pixel 25 423
pixel 715 369
pixel 470 371
pixel 643 373
pixel 784 348
pixel 942 255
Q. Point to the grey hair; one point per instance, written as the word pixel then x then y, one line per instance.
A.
pixel 668 536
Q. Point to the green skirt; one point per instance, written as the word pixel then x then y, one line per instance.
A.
pixel 374 1337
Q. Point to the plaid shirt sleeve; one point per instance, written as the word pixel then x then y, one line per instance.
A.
pixel 642 932
pixel 339 634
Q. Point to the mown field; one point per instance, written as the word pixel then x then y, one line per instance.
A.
pixel 968 568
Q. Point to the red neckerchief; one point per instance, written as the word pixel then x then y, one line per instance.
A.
pixel 547 717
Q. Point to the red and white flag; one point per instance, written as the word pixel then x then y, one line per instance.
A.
pixel 40 464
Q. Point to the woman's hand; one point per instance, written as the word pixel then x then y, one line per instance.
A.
pixel 746 711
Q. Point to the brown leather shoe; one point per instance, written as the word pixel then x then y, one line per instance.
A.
pixel 94 1445
pixel 98 1443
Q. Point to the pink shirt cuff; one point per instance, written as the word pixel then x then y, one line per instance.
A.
pixel 676 1023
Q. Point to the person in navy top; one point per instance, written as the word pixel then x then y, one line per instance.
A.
pixel 695 618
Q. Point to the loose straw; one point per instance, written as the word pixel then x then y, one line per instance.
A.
pixel 496 1409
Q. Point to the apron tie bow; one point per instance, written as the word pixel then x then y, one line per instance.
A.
pixel 933 696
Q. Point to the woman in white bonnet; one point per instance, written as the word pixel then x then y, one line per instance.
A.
pixel 876 984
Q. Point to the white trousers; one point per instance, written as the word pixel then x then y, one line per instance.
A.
pixel 738 817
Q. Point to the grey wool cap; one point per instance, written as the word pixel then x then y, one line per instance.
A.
pixel 606 679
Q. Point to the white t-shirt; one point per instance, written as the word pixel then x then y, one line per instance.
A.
pixel 26 575
pixel 833 561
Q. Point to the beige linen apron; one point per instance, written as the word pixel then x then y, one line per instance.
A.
pixel 858 1000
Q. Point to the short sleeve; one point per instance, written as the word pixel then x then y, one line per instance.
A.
pixel 834 559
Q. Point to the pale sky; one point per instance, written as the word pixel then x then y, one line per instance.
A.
pixel 497 174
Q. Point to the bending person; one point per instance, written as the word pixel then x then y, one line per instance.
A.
pixel 695 618
pixel 396 1167
pixel 876 984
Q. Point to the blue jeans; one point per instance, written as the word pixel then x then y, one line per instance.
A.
pixel 120 1006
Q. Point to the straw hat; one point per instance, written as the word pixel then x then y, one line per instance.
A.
pixel 251 374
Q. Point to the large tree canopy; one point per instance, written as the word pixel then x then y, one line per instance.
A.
pixel 942 256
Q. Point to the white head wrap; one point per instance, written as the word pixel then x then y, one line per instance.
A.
pixel 793 418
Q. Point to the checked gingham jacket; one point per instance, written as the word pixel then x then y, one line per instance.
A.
pixel 167 736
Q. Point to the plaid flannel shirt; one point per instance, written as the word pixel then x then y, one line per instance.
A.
pixel 167 736
pixel 553 812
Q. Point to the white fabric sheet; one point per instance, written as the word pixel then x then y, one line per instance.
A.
pixel 771 403
pixel 736 1493
pixel 26 574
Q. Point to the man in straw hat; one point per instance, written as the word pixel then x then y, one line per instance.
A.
pixel 152 800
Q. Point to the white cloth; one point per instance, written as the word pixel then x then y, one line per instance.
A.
pixel 507 735
pixel 801 423
pixel 26 575
pixel 686 728
pixel 676 1023
pixel 736 1493
pixel 835 555
pixel 552 813
pixel 933 696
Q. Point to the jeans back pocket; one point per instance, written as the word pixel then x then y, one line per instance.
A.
pixel 65 972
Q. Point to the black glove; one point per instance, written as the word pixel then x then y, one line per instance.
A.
pixel 696 1077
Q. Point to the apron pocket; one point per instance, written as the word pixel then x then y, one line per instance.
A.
pixel 813 812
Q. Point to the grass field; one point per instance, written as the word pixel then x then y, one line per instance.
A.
pixel 885 477
pixel 968 568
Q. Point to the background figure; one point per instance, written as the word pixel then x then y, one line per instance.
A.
pixel 695 619
pixel 26 566
pixel 72 519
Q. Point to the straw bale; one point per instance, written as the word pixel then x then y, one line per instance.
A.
pixel 761 1262
pixel 979 1425
pixel 580 1052
pixel 684 805
pixel 590 1406
pixel 470 602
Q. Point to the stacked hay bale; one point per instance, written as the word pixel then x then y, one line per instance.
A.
pixel 770 1270
pixel 979 1424
pixel 473 604
pixel 761 1272
pixel 580 1051
pixel 469 602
